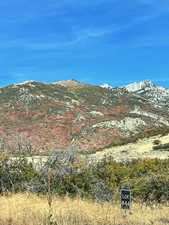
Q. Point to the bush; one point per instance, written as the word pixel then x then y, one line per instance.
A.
pixel 161 147
pixel 15 175
pixel 64 174
pixel 156 142
pixel 154 188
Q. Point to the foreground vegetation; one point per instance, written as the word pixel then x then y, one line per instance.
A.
pixel 29 209
pixel 68 191
pixel 64 174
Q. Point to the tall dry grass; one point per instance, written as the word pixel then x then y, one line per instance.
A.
pixel 28 209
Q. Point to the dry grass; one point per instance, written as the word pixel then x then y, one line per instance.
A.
pixel 143 148
pixel 28 209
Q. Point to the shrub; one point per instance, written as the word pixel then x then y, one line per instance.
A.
pixel 68 176
pixel 154 188
pixel 161 147
pixel 156 142
pixel 15 174
pixel 63 174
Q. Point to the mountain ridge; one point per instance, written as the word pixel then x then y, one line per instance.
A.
pixel 41 116
pixel 157 96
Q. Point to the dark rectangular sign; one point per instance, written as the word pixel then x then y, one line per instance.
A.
pixel 125 195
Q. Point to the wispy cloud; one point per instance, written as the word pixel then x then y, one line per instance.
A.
pixel 86 32
pixel 158 6
pixel 52 44
pixel 21 12
pixel 151 41
pixel 77 3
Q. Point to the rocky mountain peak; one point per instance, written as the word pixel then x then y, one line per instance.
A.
pixel 136 86
pixel 105 85
pixel 24 82
pixel 158 96
pixel 70 83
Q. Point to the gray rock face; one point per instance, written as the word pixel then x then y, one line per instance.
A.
pixel 137 86
pixel 127 124
pixel 156 95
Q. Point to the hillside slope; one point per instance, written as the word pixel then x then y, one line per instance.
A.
pixel 36 116
pixel 139 150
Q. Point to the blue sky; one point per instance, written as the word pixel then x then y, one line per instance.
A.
pixel 93 41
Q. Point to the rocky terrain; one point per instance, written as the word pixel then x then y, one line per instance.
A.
pixel 156 95
pixel 40 117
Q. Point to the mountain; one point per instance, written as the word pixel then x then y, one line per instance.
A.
pixel 138 86
pixel 40 116
pixel 108 86
pixel 156 95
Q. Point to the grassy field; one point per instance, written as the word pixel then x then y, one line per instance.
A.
pixel 28 209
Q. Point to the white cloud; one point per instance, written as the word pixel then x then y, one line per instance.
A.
pixel 79 36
